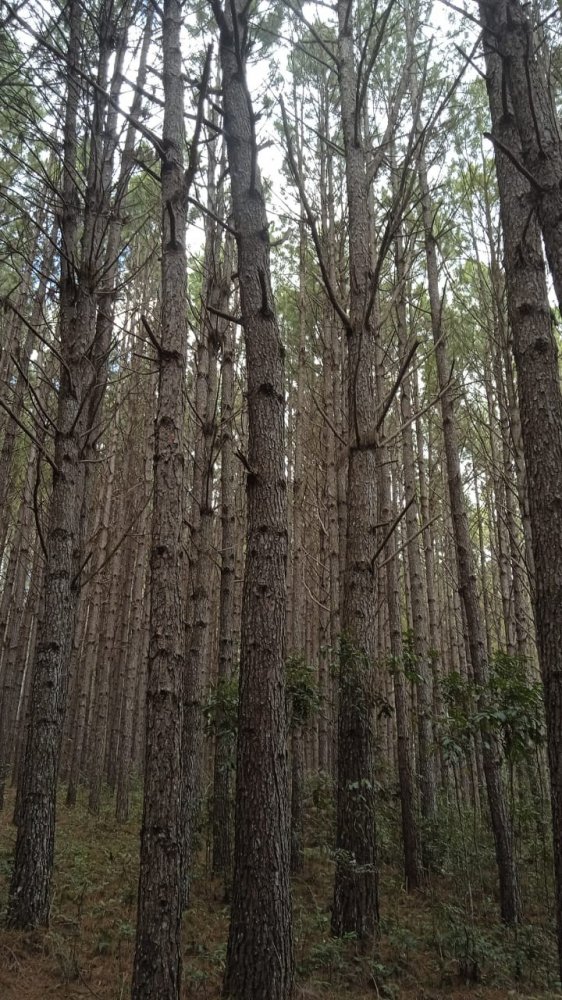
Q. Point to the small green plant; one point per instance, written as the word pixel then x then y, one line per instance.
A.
pixel 301 690
pixel 221 709
pixel 380 974
pixel 456 727
pixel 509 706
pixel 517 707
pixel 327 958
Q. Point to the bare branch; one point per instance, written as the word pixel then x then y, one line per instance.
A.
pixel 516 163
pixel 30 435
pixel 330 290
pixel 397 383
pixel 391 531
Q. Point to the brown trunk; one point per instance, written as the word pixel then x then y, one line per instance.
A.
pixel 134 652
pixel 201 524
pixel 355 907
pixel 30 887
pixel 157 962
pixel 297 618
pixel 224 739
pixel 10 668
pixel 501 824
pixel 424 685
pixel 259 957
pixel 535 115
pixel 408 804
pixel 540 398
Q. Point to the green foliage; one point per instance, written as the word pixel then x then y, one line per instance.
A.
pixel 517 711
pixel 474 952
pixel 409 658
pixel 301 689
pixel 354 663
pixel 327 957
pixel 457 725
pixel 319 812
pixel 221 709
pixel 509 706
pixel 464 944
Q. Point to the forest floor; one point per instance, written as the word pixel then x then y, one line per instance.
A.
pixel 428 950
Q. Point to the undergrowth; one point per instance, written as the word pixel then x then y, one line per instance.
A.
pixel 443 941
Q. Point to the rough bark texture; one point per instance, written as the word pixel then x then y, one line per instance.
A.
pixel 540 399
pixel 533 109
pixel 222 822
pixel 259 957
pixel 420 620
pixel 157 964
pixel 12 636
pixel 297 618
pixel 509 893
pixel 30 888
pixel 355 906
pixel 201 520
pixel 134 652
pixel 408 805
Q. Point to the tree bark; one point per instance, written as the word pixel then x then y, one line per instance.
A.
pixel 532 105
pixel 157 962
pixel 224 740
pixel 540 400
pixel 355 906
pixel 30 888
pixel 259 957
pixel 510 905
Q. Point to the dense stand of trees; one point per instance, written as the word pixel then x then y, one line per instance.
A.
pixel 280 454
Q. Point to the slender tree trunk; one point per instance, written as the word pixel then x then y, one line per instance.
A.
pixel 224 740
pixel 409 809
pixel 501 825
pixel 135 648
pixel 16 404
pixel 30 888
pixel 11 674
pixel 157 962
pixel 297 635
pixel 355 906
pixel 259 957
pixel 424 693
pixel 202 523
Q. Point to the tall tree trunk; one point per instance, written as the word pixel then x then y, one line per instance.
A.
pixel 534 111
pixel 355 907
pixel 30 887
pixel 13 635
pixel 24 359
pixel 408 804
pixel 259 957
pixel 157 962
pixel 201 522
pixel 501 825
pixel 540 399
pixel 297 635
pixel 222 822
pixel 424 694
pixel 134 652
